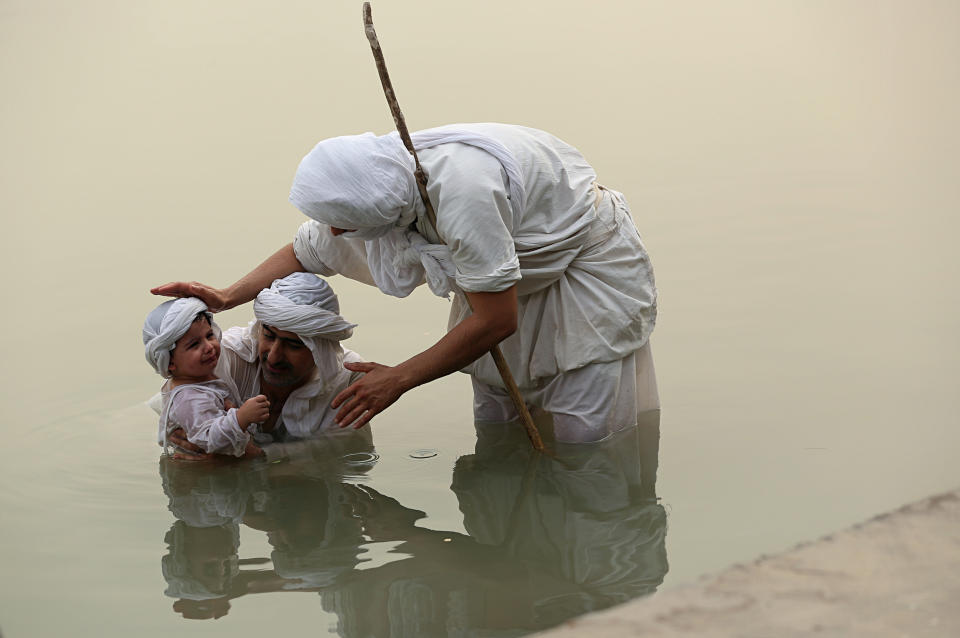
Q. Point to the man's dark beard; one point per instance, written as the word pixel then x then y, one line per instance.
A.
pixel 286 377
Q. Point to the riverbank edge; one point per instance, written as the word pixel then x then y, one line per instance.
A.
pixel 896 574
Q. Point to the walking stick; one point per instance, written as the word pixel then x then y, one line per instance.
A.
pixel 502 366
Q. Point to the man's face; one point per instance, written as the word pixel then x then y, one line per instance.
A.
pixel 284 359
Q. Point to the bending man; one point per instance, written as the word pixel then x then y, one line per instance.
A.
pixel 550 261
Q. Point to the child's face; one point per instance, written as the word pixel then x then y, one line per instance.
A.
pixel 196 353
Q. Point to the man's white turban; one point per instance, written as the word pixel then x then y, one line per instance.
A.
pixel 165 324
pixel 306 305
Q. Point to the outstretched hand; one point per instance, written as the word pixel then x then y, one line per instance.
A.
pixel 215 298
pixel 368 396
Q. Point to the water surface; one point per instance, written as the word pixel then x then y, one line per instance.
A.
pixel 792 167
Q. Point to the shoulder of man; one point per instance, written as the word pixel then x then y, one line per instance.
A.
pixel 240 341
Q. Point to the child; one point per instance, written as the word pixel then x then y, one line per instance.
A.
pixel 182 343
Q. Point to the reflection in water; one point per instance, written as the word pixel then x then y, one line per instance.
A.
pixel 298 497
pixel 548 537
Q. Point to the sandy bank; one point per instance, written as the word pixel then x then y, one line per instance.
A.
pixel 897 574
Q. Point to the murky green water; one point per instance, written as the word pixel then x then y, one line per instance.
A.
pixel 792 167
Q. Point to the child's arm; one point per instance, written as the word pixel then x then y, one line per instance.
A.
pixel 206 424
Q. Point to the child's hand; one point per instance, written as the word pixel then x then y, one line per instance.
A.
pixel 255 410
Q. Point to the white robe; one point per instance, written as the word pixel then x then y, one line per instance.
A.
pixel 584 280
pixel 199 409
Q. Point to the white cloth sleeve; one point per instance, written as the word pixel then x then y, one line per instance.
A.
pixel 475 220
pixel 238 370
pixel 320 252
pixel 206 424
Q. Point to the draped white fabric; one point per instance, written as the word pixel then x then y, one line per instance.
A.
pixel 305 304
pixel 357 181
pixel 585 285
pixel 199 408
pixel 165 325
pixel 366 184
pixel 367 181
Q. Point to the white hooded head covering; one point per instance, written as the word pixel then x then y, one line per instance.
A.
pixel 361 182
pixel 165 325
pixel 367 183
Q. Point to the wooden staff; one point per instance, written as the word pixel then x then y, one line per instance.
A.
pixel 502 366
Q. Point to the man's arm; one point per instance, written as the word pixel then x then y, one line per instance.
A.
pixel 280 264
pixel 494 319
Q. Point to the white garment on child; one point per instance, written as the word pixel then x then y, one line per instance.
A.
pixel 199 409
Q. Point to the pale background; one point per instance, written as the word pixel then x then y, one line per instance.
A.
pixel 792 167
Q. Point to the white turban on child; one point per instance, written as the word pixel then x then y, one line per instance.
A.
pixel 165 325
pixel 306 305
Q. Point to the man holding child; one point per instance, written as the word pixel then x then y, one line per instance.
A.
pixel 543 260
pixel 289 359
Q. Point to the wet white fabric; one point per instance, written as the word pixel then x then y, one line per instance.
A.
pixel 307 410
pixel 584 280
pixel 165 325
pixel 367 182
pixel 200 410
pixel 583 299
pixel 587 404
pixel 396 264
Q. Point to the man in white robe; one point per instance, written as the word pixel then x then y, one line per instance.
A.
pixel 291 353
pixel 549 260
